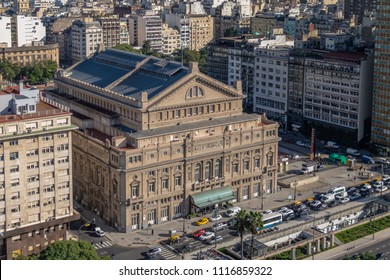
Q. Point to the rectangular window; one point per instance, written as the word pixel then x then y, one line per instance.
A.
pixel 47 123
pixel 165 184
pixel 47 150
pixel 47 137
pixel 14 182
pixel 14 169
pixel 152 186
pixel 62 121
pixel 63 147
pixel 32 153
pixel 33 178
pixel 14 155
pixel 235 167
pixel 13 142
pixel 178 181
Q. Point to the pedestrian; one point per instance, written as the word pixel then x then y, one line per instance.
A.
pixel 354 178
pixel 152 231
pixel 348 175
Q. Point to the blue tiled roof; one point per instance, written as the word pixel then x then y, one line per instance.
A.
pixel 152 84
pixel 106 67
pixel 97 73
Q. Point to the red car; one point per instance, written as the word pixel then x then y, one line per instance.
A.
pixel 198 233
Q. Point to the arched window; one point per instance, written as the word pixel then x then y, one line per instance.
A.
pixel 207 170
pixel 195 92
pixel 198 172
pixel 217 168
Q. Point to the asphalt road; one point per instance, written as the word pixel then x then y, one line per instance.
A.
pixel 374 248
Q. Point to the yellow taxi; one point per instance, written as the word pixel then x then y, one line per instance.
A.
pixel 309 199
pixel 202 222
pixel 297 203
pixel 174 238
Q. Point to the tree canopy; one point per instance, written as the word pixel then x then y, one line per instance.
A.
pixel 36 73
pixel 127 48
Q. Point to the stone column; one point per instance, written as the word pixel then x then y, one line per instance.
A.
pixel 332 240
pixel 308 248
pixel 318 244
pixel 293 253
pixel 324 245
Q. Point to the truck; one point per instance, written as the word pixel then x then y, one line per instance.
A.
pixel 367 159
pixel 353 152
pixel 308 167
pixel 332 145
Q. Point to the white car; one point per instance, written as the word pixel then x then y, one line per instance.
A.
pixel 99 232
pixel 344 200
pixel 267 212
pixel 381 189
pixel 206 236
pixel 220 226
pixel 385 178
pixel 378 184
pixel 154 251
pixel 283 210
pixel 215 240
pixel 215 218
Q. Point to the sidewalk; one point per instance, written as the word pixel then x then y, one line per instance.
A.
pixel 342 250
pixel 143 237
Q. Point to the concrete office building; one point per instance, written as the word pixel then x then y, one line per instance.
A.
pixel 86 37
pixel 270 82
pixel 114 30
pixel 145 26
pixel 36 199
pixel 380 134
pixel 158 141
pixel 337 96
pixel 171 40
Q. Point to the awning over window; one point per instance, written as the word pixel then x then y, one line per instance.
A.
pixel 212 197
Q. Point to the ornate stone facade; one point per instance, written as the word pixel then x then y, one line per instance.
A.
pixel 138 161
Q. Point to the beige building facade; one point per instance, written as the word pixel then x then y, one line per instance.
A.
pixel 148 148
pixel 171 39
pixel 36 198
pixel 201 29
pixel 25 56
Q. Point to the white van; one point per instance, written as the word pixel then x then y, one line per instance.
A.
pixel 233 211
pixel 327 198
pixel 337 190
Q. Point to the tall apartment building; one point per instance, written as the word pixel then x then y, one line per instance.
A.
pixel 86 37
pixel 25 56
pixel 201 31
pixel 171 40
pixel 270 82
pixel 21 30
pixel 337 96
pixel 196 30
pixel 159 140
pixel 145 26
pixel 115 31
pixel 35 173
pixel 241 65
pixel 218 60
pixel 182 23
pixel 380 133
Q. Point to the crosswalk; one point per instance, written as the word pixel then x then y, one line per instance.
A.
pixel 165 252
pixel 102 245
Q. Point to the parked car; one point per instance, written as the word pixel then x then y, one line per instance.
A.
pixel 365 187
pixel 287 213
pixel 283 210
pixel 355 196
pixel 381 189
pixel 232 222
pixel 217 239
pixel 202 222
pixel 153 252
pixel 352 190
pixel 378 184
pixel 215 218
pixel 385 178
pixel 334 203
pixel 220 226
pixel 267 212
pixel 314 203
pixel 318 196
pixel 198 233
pixel 99 232
pixel 320 207
pixel 207 235
pixel 344 199
pixel 288 217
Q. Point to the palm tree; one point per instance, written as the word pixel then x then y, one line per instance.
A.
pixel 242 227
pixel 255 224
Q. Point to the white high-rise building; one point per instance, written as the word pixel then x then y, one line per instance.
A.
pixel 28 30
pixel 5 32
pixel 21 30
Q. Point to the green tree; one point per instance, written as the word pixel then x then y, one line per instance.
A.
pixel 49 69
pixel 230 32
pixel 255 225
pixel 147 48
pixel 71 250
pixel 127 48
pixel 242 227
pixel 7 69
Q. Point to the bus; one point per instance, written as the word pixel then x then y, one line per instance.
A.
pixel 270 220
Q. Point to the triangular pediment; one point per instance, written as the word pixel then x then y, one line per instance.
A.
pixel 194 89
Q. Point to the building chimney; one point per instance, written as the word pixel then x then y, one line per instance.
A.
pixel 194 67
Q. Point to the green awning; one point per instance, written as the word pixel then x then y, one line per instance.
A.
pixel 212 197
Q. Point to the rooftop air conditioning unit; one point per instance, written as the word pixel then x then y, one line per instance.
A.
pixel 45 128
